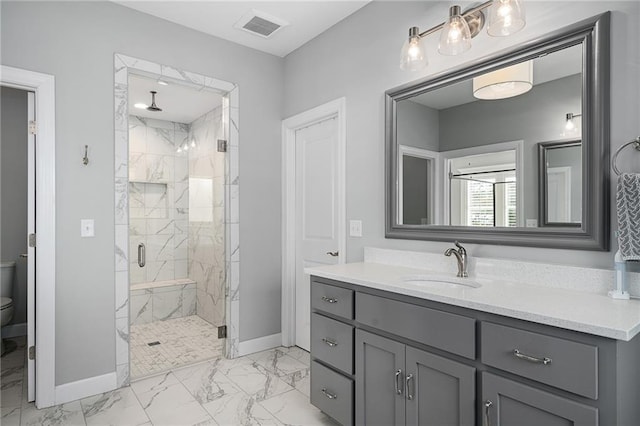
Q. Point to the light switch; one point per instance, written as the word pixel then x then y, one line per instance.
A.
pixel 87 228
pixel 355 228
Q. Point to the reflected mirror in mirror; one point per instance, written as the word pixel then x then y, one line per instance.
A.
pixel 560 171
pixel 464 161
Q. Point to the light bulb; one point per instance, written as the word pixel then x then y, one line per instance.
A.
pixel 413 56
pixel 506 17
pixel 193 143
pixel 179 150
pixel 456 36
pixel 185 147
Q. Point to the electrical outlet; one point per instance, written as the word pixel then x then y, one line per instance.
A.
pixel 87 228
pixel 355 228
pixel 532 223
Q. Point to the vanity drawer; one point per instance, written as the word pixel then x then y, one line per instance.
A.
pixel 332 393
pixel 450 332
pixel 573 366
pixel 332 299
pixel 332 342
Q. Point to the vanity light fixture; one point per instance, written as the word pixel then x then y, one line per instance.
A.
pixel 570 125
pixel 505 18
pixel 505 82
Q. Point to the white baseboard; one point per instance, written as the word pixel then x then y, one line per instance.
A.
pixel 14 330
pixel 85 387
pixel 260 344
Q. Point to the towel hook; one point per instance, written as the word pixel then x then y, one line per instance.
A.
pixel 85 160
pixel 614 164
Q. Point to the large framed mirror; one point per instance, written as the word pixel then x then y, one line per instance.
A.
pixel 464 148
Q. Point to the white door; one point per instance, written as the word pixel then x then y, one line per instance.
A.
pixel 31 251
pixel 316 148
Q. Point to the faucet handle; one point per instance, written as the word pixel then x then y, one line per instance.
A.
pixel 457 244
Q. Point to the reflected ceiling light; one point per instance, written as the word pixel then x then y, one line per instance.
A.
pixel 455 37
pixel 162 83
pixel 141 105
pixel 570 125
pixel 504 83
pixel 505 18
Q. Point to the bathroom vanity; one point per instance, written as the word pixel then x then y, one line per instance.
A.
pixel 388 351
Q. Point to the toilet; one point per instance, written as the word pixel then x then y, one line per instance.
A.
pixel 6 291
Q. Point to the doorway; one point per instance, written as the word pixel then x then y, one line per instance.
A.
pixel 133 186
pixel 313 209
pixel 28 157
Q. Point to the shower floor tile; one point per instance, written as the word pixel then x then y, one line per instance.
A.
pixel 183 341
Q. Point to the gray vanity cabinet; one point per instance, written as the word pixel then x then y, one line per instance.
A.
pixel 397 384
pixel 507 403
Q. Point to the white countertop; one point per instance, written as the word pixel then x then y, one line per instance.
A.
pixel 590 313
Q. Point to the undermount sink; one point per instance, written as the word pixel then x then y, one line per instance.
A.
pixel 436 281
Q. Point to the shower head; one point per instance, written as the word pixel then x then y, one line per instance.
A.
pixel 153 106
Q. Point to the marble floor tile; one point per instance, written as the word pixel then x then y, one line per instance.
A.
pixel 167 402
pixel 297 353
pixel 11 386
pixel 278 362
pixel 69 414
pixel 239 409
pixel 293 408
pixel 205 381
pixel 118 407
pixel 10 416
pixel 301 380
pixel 253 378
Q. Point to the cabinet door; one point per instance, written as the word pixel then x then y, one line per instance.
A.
pixel 379 380
pixel 439 392
pixel 512 403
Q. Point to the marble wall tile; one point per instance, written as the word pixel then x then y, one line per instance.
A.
pixel 160 247
pixel 122 374
pixel 141 308
pixel 122 341
pixel 121 154
pixel 167 305
pixel 121 202
pixel 122 294
pixel 160 141
pixel 160 270
pixel 121 247
pixel 189 302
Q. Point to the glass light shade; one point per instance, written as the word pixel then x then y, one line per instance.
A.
pixel 504 83
pixel 455 37
pixel 414 55
pixel 506 17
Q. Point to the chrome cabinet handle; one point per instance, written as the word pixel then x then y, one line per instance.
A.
pixel 329 299
pixel 487 406
pixel 408 382
pixel 518 354
pixel 330 342
pixel 24 255
pixel 142 255
pixel 328 394
pixel 399 382
pixel 334 253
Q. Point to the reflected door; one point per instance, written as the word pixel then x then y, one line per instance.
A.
pixel 316 212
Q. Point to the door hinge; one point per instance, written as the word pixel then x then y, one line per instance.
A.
pixel 32 127
pixel 222 145
pixel 222 332
pixel 32 240
pixel 32 352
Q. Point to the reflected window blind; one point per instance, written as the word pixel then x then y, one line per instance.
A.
pixel 510 205
pixel 480 210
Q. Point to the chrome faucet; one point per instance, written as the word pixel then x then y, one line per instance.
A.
pixel 461 257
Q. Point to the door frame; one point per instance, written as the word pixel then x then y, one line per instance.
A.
pixel 290 125
pixel 45 220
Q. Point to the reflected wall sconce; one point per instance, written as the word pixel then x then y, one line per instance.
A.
pixel 570 125
pixel 505 17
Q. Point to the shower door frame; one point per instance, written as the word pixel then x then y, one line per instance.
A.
pixel 123 66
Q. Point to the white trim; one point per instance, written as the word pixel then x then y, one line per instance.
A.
pixel 289 126
pixel 14 330
pixel 260 344
pixel 485 149
pixel 44 87
pixel 434 177
pixel 85 387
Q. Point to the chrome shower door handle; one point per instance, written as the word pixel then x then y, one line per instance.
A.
pixel 142 255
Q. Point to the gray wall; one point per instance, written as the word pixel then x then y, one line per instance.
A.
pixel 75 42
pixel 13 155
pixel 536 116
pixel 358 58
pixel 418 126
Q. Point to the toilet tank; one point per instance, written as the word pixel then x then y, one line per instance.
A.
pixel 8 269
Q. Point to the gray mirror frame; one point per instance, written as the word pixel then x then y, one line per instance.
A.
pixel 593 234
pixel 543 149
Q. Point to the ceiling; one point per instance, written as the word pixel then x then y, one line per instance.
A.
pixel 179 103
pixel 306 19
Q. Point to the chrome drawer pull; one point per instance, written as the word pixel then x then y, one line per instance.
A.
pixel 329 395
pixel 545 360
pixel 398 376
pixel 330 342
pixel 487 406
pixel 329 300
pixel 409 388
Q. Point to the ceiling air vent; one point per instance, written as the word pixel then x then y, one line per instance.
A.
pixel 260 23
